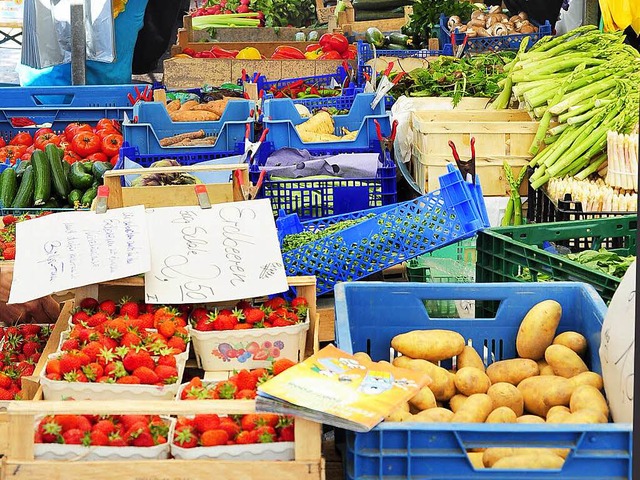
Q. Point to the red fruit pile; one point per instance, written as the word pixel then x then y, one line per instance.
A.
pixel 276 312
pixel 20 350
pixel 128 325
pixel 8 234
pixel 209 430
pixel 79 141
pixel 219 7
pixel 241 385
pixel 111 431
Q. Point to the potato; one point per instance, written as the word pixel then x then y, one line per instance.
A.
pixel 512 371
pixel 530 419
pixel 398 415
pixel 542 393
pixel 587 378
pixel 545 368
pixel 475 409
pixel 384 362
pixel 423 400
pixel 534 461
pixel 434 415
pixel 558 414
pixel 502 415
pixel 492 455
pixel 586 416
pixel 506 395
pixel 538 329
pixel 586 397
pixel 441 385
pixel 456 401
pixel 362 356
pixel 564 361
pixel 469 358
pixel 572 340
pixel 432 345
pixel 476 459
pixel 470 380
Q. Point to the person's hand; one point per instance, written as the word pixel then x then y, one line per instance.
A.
pixel 42 310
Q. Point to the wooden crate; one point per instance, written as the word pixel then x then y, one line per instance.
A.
pixel 499 135
pixel 346 22
pixel 30 384
pixel 19 463
pixel 172 195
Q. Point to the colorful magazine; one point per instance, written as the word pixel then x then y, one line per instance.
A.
pixel 336 388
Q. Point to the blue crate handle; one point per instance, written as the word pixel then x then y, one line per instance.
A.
pixel 67 96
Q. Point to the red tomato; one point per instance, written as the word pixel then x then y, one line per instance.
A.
pixel 104 123
pixel 114 160
pixel 111 144
pixel 73 128
pixel 71 157
pixel 85 143
pixel 103 132
pixel 97 157
pixel 40 131
pixel 2 142
pixel 23 138
pixel 46 138
pixel 12 153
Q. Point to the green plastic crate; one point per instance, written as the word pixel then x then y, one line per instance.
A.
pixel 504 253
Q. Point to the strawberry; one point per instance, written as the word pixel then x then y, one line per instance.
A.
pixel 70 344
pixel 299 302
pixel 6 394
pixel 286 434
pixel 168 360
pixel 116 440
pixel 5 381
pixel 81 316
pixel 245 381
pixel 83 423
pixel 93 371
pixel 224 322
pixel 254 315
pixel 205 422
pixel 9 253
pixel 129 309
pixel 146 320
pixel 128 421
pixel 106 427
pixel 275 303
pixel 50 430
pixel 177 343
pixel 213 438
pixel 204 325
pixel 166 374
pixel 129 379
pixel 266 434
pixel 70 361
pixel 144 439
pixel 97 319
pixel 184 437
pixel 8 220
pixel 115 370
pixel 229 426
pixel 146 375
pixel 92 350
pixel 279 321
pixel 246 437
pixel 135 359
pixel 253 420
pixel 226 390
pixel 109 307
pixel 97 438
pixel 260 374
pixel 90 304
pixel 28 329
pixel 164 313
pixel 130 339
pixel 73 437
pixel 245 395
pixel 281 365
pixel 166 327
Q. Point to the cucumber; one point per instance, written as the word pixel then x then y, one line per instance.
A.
pixel 398 39
pixel 51 203
pixel 376 5
pixel 99 168
pixel 370 15
pixel 21 167
pixel 24 196
pixel 42 171
pixel 393 46
pixel 75 196
pixel 8 187
pixel 66 168
pixel 88 196
pixel 374 37
pixel 79 178
pixel 59 180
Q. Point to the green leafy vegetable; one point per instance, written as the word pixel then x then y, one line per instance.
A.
pixel 603 261
pixel 297 240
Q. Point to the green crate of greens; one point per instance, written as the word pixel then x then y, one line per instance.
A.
pixel 601 251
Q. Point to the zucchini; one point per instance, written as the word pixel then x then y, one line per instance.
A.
pixel 393 46
pixel 8 187
pixel 74 197
pixel 59 180
pixel 21 167
pixel 374 37
pixel 99 168
pixel 376 5
pixel 79 178
pixel 88 196
pixel 42 172
pixel 24 196
pixel 370 15
pixel 398 39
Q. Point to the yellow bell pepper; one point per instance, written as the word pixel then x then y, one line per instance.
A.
pixel 313 55
pixel 249 53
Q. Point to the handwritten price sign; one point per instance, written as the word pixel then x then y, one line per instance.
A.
pixel 228 252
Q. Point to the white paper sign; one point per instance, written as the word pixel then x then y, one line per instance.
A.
pixel 228 252
pixel 617 348
pixel 73 249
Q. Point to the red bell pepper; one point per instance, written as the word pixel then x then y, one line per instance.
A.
pixel 222 53
pixel 313 47
pixel 351 53
pixel 332 55
pixel 334 42
pixel 285 52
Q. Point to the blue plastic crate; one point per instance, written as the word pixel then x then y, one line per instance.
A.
pixel 437 451
pixel 317 198
pixel 61 105
pixel 483 44
pixel 153 123
pixel 396 233
pixel 317 80
pixel 281 117
pixel 146 159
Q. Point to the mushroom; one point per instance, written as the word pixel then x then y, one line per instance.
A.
pixel 515 18
pixel 476 13
pixel 502 17
pixel 518 24
pixel 471 33
pixel 495 9
pixel 528 29
pixel 523 16
pixel 453 21
pixel 476 23
pixel 461 28
pixel 499 29
pixel 481 32
pixel 510 27
pixel 491 20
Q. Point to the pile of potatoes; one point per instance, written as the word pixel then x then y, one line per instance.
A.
pixel 548 383
pixel 492 24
